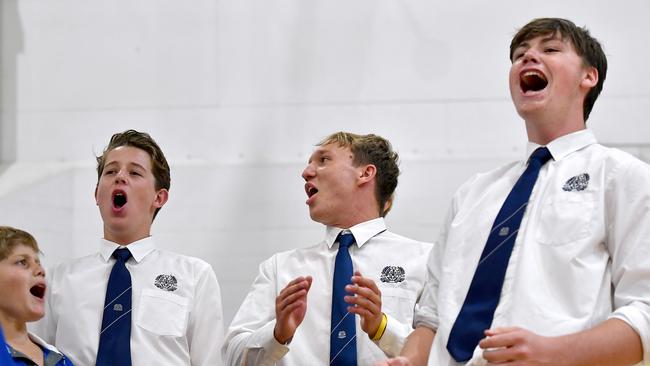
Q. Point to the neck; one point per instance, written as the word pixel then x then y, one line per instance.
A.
pixel 544 131
pixel 359 214
pixel 546 124
pixel 15 331
pixel 125 238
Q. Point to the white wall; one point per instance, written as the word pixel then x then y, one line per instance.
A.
pixel 237 92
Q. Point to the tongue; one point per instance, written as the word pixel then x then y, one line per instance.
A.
pixel 533 82
pixel 37 291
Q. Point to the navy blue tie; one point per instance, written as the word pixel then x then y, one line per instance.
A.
pixel 115 336
pixel 485 290
pixel 343 344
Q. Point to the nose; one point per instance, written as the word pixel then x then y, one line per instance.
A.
pixel 120 176
pixel 309 172
pixel 39 270
pixel 529 56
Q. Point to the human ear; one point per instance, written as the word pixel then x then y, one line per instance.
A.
pixel 590 78
pixel 367 173
pixel 161 198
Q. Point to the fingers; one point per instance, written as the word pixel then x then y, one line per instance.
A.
pixel 290 308
pixel 364 294
pixel 397 361
pixel 500 337
pixel 500 330
pixel 292 295
pixel 365 282
pixel 365 301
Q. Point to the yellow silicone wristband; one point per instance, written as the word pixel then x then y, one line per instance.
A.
pixel 382 328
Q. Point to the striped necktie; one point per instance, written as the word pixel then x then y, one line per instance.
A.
pixel 115 336
pixel 343 344
pixel 482 298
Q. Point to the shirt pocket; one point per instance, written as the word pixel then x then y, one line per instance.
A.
pixel 398 302
pixel 163 313
pixel 566 219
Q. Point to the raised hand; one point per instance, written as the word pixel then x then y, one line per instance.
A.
pixel 365 301
pixel 290 308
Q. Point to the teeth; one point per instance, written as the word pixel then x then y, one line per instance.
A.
pixel 312 191
pixel 534 73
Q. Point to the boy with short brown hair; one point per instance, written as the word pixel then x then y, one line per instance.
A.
pixel 132 303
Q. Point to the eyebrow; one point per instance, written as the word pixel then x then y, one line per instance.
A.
pixel 547 39
pixel 130 164
pixel 27 256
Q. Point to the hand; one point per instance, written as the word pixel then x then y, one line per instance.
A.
pixel 513 345
pixel 397 361
pixel 290 308
pixel 366 302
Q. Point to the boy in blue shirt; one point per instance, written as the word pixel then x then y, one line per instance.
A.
pixel 22 284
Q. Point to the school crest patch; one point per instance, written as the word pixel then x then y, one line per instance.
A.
pixel 577 183
pixel 166 282
pixel 392 274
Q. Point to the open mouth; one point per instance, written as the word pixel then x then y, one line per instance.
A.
pixel 310 189
pixel 532 81
pixel 38 291
pixel 119 199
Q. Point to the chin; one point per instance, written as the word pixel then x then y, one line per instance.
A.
pixel 35 314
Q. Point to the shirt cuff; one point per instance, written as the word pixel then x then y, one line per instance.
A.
pixel 264 349
pixel 637 316
pixel 392 341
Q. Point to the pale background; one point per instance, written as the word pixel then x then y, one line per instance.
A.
pixel 237 92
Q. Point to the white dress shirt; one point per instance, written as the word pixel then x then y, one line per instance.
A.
pixel 582 254
pixel 250 339
pixel 177 316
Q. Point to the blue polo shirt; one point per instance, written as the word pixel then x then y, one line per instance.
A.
pixel 11 357
pixel 5 358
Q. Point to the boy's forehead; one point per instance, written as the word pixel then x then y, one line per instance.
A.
pixel 331 147
pixel 553 35
pixel 23 249
pixel 128 154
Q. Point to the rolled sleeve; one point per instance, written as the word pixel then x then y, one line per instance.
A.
pixel 636 315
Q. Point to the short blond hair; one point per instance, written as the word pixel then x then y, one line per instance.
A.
pixel 11 237
pixel 375 150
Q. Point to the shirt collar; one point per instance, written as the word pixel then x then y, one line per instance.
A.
pixel 565 145
pixel 139 248
pixel 362 232
pixel 36 339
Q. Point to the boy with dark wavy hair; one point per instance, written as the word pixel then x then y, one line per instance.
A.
pixel 544 261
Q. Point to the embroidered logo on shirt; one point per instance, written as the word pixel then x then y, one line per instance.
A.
pixel 577 183
pixel 166 282
pixel 392 274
